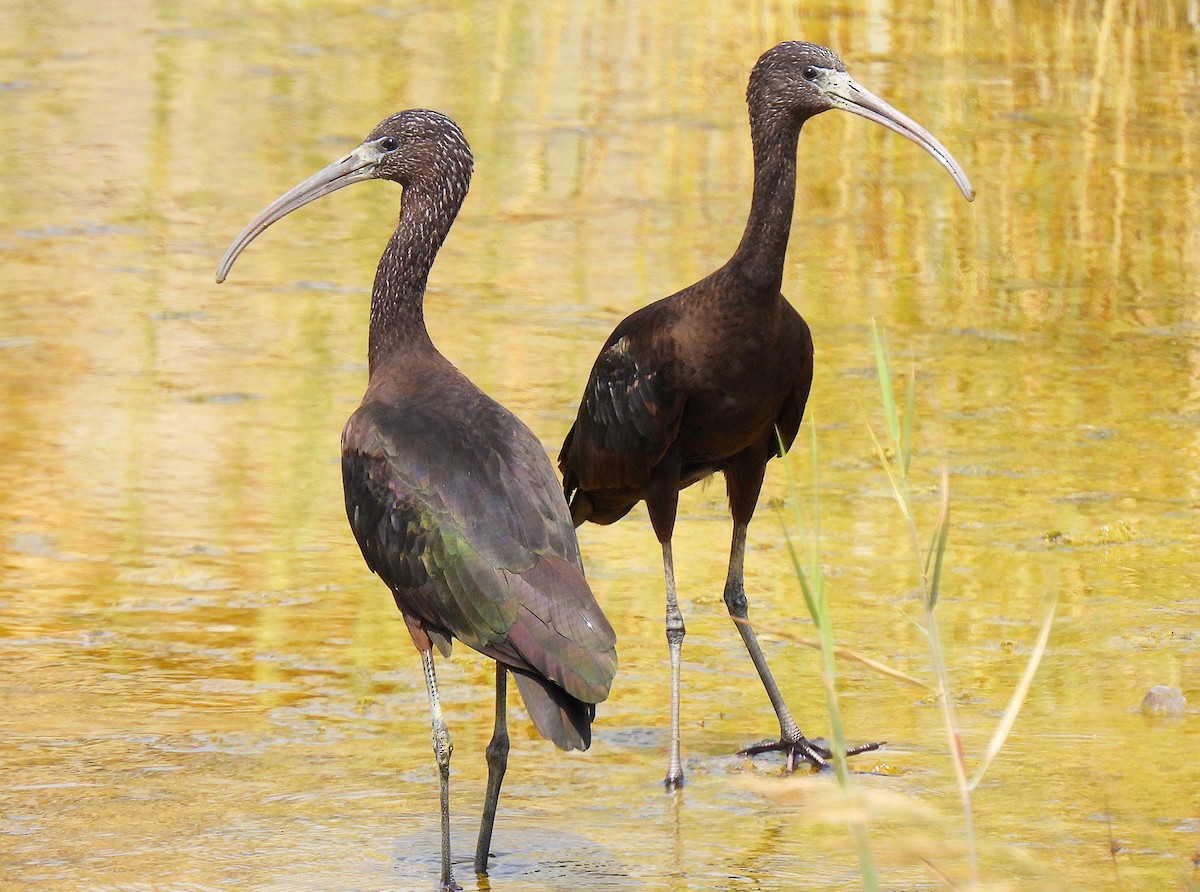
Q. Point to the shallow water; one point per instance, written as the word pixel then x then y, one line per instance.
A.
pixel 205 687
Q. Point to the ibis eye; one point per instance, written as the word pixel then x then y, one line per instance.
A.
pixel 388 144
pixel 810 73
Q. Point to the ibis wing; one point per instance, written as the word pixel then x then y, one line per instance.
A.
pixel 627 420
pixel 464 521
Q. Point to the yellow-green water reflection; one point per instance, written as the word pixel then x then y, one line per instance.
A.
pixel 205 688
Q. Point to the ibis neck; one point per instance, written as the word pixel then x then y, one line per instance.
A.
pixel 760 256
pixel 398 296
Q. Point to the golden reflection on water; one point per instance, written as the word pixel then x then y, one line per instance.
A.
pixel 206 688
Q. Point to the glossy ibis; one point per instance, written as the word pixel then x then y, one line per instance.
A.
pixel 452 499
pixel 713 377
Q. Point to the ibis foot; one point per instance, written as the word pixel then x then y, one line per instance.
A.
pixel 804 750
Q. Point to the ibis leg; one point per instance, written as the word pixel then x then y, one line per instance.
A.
pixel 662 502
pixel 798 747
pixel 739 611
pixel 442 748
pixel 675 633
pixel 497 762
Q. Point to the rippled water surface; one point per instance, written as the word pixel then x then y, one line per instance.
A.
pixel 203 686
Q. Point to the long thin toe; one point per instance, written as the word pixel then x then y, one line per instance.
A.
pixel 809 752
pixel 865 748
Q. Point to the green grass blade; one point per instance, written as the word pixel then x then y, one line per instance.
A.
pixel 814 554
pixel 941 534
pixel 910 412
pixel 809 600
pixel 810 595
pixel 937 550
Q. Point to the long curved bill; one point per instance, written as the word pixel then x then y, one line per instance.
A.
pixel 847 94
pixel 359 165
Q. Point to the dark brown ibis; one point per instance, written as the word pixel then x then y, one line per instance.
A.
pixel 714 377
pixel 452 499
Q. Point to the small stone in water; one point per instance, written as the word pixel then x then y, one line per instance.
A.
pixel 1164 700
